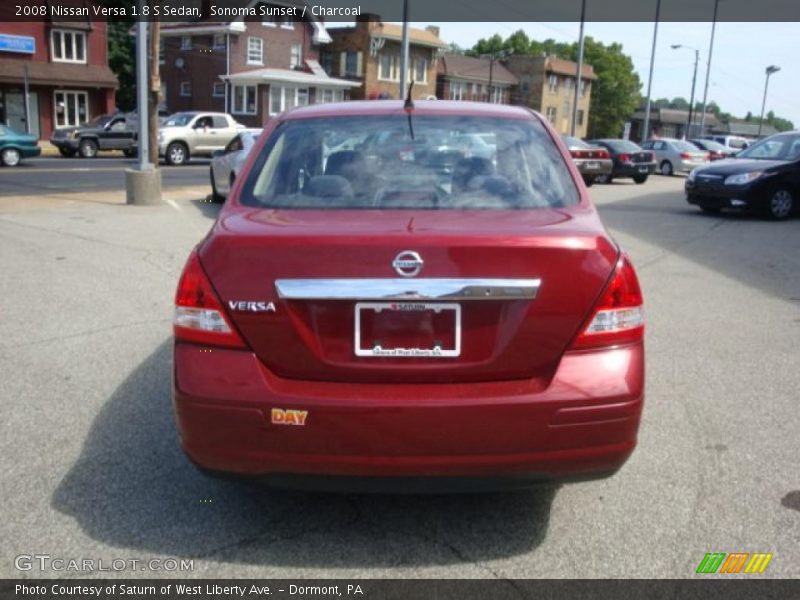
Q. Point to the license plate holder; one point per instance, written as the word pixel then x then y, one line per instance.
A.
pixel 642 169
pixel 407 329
pixel 592 165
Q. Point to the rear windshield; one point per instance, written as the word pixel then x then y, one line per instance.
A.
pixel 623 146
pixel 391 162
pixel 685 146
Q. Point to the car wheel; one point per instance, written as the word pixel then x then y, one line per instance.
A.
pixel 780 205
pixel 177 154
pixel 639 178
pixel 589 181
pixel 88 148
pixel 66 152
pixel 603 179
pixel 215 195
pixel 10 157
pixel 129 153
pixel 666 168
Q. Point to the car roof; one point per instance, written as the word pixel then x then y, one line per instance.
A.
pixel 421 107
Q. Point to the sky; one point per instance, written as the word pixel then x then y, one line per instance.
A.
pixel 742 51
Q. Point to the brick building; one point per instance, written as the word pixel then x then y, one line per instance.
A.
pixel 547 84
pixel 66 68
pixel 478 79
pixel 252 67
pixel 369 54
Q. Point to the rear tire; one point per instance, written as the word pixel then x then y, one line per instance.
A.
pixel 666 168
pixel 177 154
pixel 216 197
pixel 780 204
pixel 603 179
pixel 589 181
pixel 10 157
pixel 66 152
pixel 88 148
pixel 639 178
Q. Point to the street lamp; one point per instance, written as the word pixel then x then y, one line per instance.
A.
pixel 694 80
pixel 770 70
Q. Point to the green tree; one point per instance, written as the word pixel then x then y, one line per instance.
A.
pixel 615 93
pixel 748 117
pixel 487 46
pixel 679 103
pixel 122 61
pixel 661 103
pixel 453 48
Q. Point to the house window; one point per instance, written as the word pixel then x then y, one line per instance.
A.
pixel 326 61
pixel 68 46
pixel 71 108
pixel 267 21
pixel 457 90
pixel 219 41
pixel 551 114
pixel 186 42
pixel 552 83
pixel 497 95
pixel 218 89
pixel 302 97
pixel 389 68
pixel 186 88
pixel 296 59
pixel 287 23
pixel 580 117
pixel 255 51
pixel 583 88
pixel 350 64
pixel 245 100
pixel 418 70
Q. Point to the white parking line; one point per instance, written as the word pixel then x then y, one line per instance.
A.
pixel 174 204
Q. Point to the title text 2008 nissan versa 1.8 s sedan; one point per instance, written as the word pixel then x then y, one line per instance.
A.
pixel 357 318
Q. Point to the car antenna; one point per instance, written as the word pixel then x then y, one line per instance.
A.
pixel 409 107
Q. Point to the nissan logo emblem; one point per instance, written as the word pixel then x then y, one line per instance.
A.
pixel 408 263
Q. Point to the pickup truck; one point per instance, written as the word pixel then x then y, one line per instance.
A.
pixel 187 134
pixel 106 132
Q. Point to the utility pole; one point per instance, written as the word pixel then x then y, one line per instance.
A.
pixel 694 81
pixel 143 184
pixel 154 88
pixel 708 67
pixel 645 131
pixel 769 71
pixel 404 52
pixel 580 72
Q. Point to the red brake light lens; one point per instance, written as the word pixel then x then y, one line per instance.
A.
pixel 604 154
pixel 199 316
pixel 686 155
pixel 624 157
pixel 618 316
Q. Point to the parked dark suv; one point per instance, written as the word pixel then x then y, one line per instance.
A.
pixel 106 132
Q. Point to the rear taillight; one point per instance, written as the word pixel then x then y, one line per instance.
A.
pixel 685 155
pixel 199 316
pixel 618 316
pixel 604 154
pixel 624 157
pixel 576 153
pixel 652 155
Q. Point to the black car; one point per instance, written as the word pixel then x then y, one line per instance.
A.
pixel 629 160
pixel 106 132
pixel 763 178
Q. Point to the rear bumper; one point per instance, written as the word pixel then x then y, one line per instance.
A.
pixel 65 144
pixel 583 424
pixel 590 167
pixel 634 169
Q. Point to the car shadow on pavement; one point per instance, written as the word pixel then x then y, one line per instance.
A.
pixel 207 207
pixel 133 488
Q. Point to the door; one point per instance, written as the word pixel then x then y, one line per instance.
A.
pixel 117 136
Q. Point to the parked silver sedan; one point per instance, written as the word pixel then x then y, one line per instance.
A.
pixel 225 164
pixel 676 155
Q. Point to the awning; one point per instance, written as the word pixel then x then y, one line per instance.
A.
pixel 283 76
pixel 57 74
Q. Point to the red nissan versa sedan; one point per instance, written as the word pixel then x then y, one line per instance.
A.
pixel 372 306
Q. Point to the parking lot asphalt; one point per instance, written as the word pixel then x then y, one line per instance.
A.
pixel 49 175
pixel 91 465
